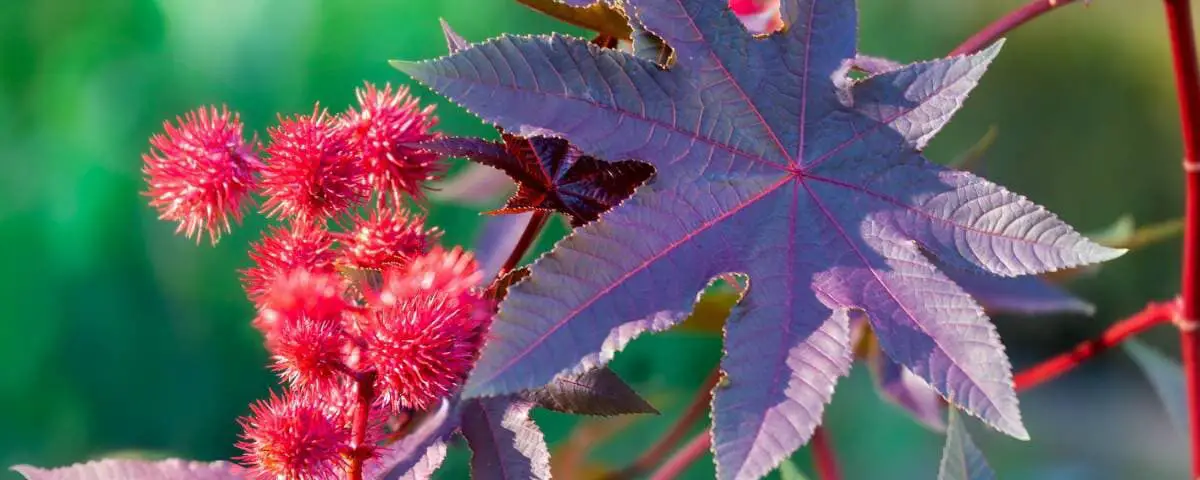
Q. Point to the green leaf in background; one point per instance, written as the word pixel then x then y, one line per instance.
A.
pixel 973 157
pixel 961 460
pixel 1166 376
pixel 1124 233
pixel 789 471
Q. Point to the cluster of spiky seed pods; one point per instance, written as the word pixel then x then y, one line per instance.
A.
pixel 366 318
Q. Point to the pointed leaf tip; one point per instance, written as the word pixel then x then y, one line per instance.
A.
pixel 406 66
pixel 454 41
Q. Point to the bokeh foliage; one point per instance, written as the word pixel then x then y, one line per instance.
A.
pixel 117 336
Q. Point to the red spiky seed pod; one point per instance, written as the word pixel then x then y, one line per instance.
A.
pixel 382 131
pixel 421 349
pixel 311 173
pixel 453 272
pixel 318 296
pixel 283 250
pixel 294 437
pixel 387 238
pixel 309 352
pixel 200 172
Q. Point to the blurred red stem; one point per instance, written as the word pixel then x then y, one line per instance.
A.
pixel 1007 23
pixel 695 411
pixel 362 416
pixel 681 460
pixel 824 460
pixel 1187 85
pixel 536 222
pixel 1154 314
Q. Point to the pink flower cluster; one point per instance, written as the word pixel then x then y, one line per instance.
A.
pixel 366 322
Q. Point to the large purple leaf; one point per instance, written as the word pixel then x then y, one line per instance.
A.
pixel 123 469
pixel 772 163
pixel 505 443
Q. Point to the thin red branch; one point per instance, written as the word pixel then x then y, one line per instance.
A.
pixel 1154 314
pixel 1187 84
pixel 824 460
pixel 695 411
pixel 1007 23
pixel 530 234
pixel 681 460
pixel 362 416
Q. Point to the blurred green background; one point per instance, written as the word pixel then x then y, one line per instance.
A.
pixel 118 336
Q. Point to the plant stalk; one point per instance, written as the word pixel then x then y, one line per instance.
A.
pixel 362 416
pixel 681 460
pixel 1187 84
pixel 536 222
pixel 1157 313
pixel 695 411
pixel 824 460
pixel 1007 23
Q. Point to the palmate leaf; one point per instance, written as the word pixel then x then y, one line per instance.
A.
pixel 770 162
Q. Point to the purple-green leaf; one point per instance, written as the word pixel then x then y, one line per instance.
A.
pixel 770 162
pixel 123 469
pixel 505 443
pixel 1166 377
pixel 961 460
pixel 1027 295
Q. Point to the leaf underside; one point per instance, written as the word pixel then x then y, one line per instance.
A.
pixel 505 443
pixel 419 453
pixel 122 469
pixel 769 162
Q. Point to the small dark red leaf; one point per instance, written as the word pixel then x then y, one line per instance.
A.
pixel 551 174
pixel 596 392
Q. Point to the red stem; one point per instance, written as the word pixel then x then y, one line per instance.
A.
pixel 362 417
pixel 536 222
pixel 681 460
pixel 1187 84
pixel 695 411
pixel 1007 23
pixel 824 460
pixel 1154 314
